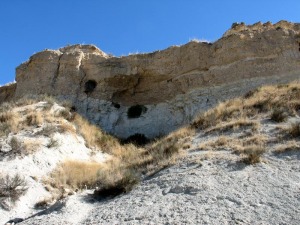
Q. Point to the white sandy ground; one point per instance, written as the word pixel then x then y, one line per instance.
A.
pixel 214 191
pixel 36 166
pixel 205 187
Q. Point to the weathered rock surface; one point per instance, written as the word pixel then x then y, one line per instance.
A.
pixel 165 88
pixel 7 92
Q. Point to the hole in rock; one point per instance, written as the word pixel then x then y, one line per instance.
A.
pixel 90 85
pixel 136 139
pixel 116 105
pixel 136 111
pixel 73 109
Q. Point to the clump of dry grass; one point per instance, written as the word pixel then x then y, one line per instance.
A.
pixel 9 122
pixel 252 146
pixel 253 154
pixel 47 130
pixel 93 136
pixel 75 174
pixel 234 125
pixel 287 147
pixel 116 177
pixel 110 178
pixel 31 145
pixel 257 103
pixel 279 115
pixel 294 129
pixel 34 118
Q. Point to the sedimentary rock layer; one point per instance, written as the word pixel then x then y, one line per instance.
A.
pixel 154 93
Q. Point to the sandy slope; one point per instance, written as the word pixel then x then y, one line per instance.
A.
pixel 35 167
pixel 206 187
pixel 216 190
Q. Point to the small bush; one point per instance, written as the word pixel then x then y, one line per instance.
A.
pixel 53 143
pixel 34 119
pixel 253 154
pixel 279 115
pixel 294 129
pixel 16 145
pixel 123 185
pixel 48 130
pixel 11 188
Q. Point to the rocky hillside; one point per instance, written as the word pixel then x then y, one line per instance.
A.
pixel 237 163
pixel 78 128
pixel 155 93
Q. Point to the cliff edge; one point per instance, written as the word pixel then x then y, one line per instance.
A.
pixel 155 93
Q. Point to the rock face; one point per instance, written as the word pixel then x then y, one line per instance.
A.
pixel 7 92
pixel 152 94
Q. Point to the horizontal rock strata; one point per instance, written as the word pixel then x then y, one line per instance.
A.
pixel 152 94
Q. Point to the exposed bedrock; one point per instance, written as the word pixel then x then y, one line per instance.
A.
pixel 155 93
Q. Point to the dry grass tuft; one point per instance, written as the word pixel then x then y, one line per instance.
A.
pixel 94 137
pixel 31 145
pixel 34 119
pixel 279 115
pixel 253 154
pixel 234 125
pixel 287 147
pixel 9 122
pixel 294 129
pixel 75 174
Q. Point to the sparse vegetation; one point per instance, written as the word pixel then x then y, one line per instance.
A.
pixel 256 103
pixel 294 129
pixel 94 137
pixel 53 143
pixel 11 188
pixel 16 145
pixel 253 154
pixel 287 147
pixel 279 115
pixel 75 174
pixel 34 119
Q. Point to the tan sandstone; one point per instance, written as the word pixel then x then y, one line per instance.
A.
pixel 170 86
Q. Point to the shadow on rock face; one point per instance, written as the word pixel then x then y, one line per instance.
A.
pixel 136 139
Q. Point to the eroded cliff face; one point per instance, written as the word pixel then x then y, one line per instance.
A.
pixel 154 93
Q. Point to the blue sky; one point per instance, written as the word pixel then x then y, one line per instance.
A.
pixel 120 27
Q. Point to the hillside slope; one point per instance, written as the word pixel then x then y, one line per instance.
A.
pixel 238 164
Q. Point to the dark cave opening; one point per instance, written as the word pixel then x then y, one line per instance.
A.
pixel 90 86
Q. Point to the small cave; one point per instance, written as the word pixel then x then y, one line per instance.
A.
pixel 116 105
pixel 136 111
pixel 90 86
pixel 136 139
pixel 73 109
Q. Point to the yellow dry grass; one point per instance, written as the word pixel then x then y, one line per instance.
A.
pixel 261 102
pixel 287 146
pixel 93 136
pixel 75 174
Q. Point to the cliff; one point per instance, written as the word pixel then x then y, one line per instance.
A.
pixel 155 93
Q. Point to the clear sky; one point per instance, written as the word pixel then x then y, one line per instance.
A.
pixel 120 27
